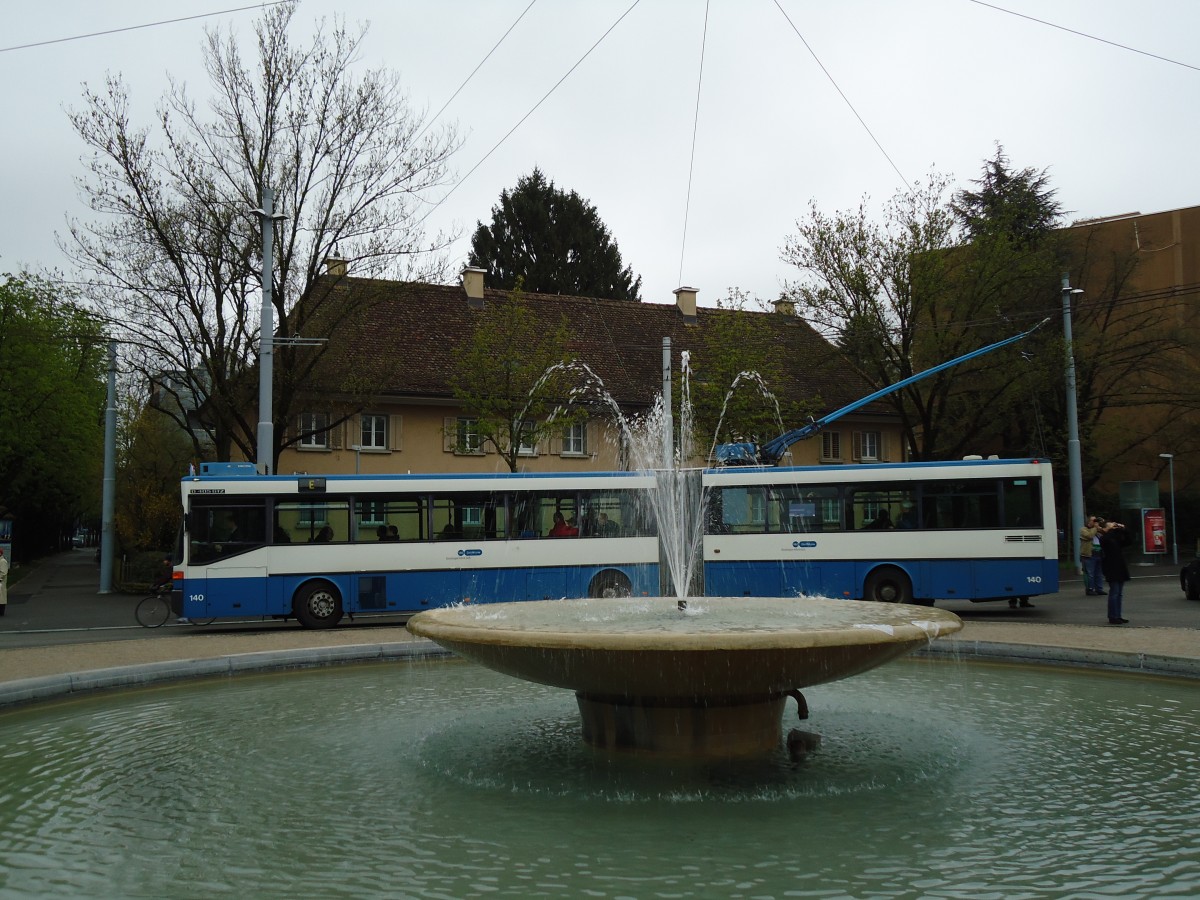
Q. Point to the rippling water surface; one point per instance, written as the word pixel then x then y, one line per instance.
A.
pixel 440 779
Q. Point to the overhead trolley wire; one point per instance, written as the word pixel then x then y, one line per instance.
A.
pixel 476 69
pixel 687 204
pixel 532 110
pixel 80 37
pixel 842 94
pixel 1083 34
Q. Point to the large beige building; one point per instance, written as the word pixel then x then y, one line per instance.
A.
pixel 405 342
pixel 1140 280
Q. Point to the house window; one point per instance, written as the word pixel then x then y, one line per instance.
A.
pixel 468 436
pixel 758 508
pixel 831 445
pixel 372 513
pixel 374 432
pixel 574 442
pixel 867 445
pixel 314 431
pixel 527 445
pixel 310 515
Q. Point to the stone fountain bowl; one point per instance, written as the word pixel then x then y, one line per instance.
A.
pixel 709 680
pixel 717 647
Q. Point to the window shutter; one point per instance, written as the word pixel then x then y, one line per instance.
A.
pixel 335 435
pixel 883 447
pixel 395 432
pixel 449 434
pixel 856 445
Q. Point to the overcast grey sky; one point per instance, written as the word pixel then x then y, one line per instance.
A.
pixel 938 82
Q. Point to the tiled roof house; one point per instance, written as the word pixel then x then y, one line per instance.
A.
pixel 408 336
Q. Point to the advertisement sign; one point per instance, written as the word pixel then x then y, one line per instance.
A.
pixel 1154 530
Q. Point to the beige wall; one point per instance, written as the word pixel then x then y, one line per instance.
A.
pixel 1167 249
pixel 417 444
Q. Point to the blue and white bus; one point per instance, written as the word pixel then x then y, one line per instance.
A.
pixel 319 547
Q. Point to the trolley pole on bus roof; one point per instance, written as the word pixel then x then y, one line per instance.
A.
pixel 266 334
pixel 1074 465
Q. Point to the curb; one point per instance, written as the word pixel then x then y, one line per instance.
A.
pixel 1140 663
pixel 48 687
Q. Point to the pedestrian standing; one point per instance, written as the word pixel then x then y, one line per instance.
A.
pixel 1113 540
pixel 3 582
pixel 1090 556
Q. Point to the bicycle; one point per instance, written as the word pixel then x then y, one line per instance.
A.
pixel 154 610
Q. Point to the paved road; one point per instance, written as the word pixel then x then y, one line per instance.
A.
pixel 58 604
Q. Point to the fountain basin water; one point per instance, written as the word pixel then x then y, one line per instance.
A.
pixel 711 680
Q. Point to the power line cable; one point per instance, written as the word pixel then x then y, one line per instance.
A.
pixel 1083 34
pixel 476 69
pixel 842 94
pixel 532 110
pixel 80 37
pixel 687 205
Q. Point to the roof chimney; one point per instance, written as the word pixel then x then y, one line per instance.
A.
pixel 685 302
pixel 472 282
pixel 334 265
pixel 785 307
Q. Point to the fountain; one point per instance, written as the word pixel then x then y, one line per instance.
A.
pixel 701 677
pixel 439 778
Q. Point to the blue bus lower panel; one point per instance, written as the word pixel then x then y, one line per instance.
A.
pixel 931 579
pixel 402 592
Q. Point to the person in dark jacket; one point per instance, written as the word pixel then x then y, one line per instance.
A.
pixel 1113 540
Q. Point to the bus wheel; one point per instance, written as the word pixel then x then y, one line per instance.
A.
pixel 888 585
pixel 318 605
pixel 610 584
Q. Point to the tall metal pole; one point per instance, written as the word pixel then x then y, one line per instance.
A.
pixel 1170 458
pixel 1074 465
pixel 266 352
pixel 666 478
pixel 109 492
pixel 668 435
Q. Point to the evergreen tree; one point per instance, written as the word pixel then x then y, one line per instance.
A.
pixel 554 242
pixel 1017 205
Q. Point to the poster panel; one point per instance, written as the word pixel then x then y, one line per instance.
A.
pixel 1154 530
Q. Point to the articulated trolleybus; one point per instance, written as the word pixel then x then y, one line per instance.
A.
pixel 319 547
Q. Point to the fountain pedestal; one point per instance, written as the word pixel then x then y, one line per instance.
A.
pixel 723 727
pixel 710 680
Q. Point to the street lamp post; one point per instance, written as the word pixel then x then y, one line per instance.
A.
pixel 265 435
pixel 1170 458
pixel 1074 464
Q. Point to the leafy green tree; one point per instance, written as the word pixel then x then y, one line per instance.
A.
pixel 52 395
pixel 554 242
pixel 734 375
pixel 940 278
pixel 174 250
pixel 880 292
pixel 513 376
pixel 153 454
